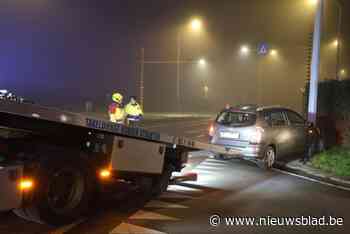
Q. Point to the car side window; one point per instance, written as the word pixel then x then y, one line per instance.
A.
pixel 275 118
pixel 294 118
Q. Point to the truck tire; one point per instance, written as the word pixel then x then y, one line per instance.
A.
pixel 160 183
pixel 28 214
pixel 64 189
pixel 144 185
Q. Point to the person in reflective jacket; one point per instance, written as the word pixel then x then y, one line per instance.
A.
pixel 115 110
pixel 133 112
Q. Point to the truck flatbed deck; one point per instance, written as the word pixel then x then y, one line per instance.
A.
pixel 53 162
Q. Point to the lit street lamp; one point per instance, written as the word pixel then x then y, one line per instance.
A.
pixel 195 26
pixel 244 50
pixel 336 43
pixel 273 53
pixel 206 90
pixel 202 62
pixel 313 2
pixel 342 73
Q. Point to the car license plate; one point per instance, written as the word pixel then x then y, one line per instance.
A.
pixel 229 135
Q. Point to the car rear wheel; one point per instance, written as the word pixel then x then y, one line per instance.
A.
pixel 269 158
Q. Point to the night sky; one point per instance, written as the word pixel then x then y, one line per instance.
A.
pixel 65 52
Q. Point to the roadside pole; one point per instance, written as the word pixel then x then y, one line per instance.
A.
pixel 315 64
pixel 263 51
pixel 178 73
pixel 142 81
pixel 339 44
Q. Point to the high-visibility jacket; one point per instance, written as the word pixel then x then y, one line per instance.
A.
pixel 116 113
pixel 133 109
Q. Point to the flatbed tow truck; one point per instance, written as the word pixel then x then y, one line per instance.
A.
pixel 53 163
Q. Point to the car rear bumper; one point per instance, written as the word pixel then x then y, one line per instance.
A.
pixel 248 151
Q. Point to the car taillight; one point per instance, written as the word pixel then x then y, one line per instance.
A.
pixel 211 130
pixel 256 135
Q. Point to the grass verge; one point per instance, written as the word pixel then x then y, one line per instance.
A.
pixel 335 161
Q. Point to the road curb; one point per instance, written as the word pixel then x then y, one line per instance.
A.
pixel 315 176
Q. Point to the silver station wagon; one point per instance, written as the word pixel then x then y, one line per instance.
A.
pixel 264 134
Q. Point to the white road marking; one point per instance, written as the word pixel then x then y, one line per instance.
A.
pixel 313 180
pixel 126 228
pixel 161 204
pixel 179 188
pixel 201 173
pixel 171 195
pixel 201 136
pixel 67 228
pixel 208 168
pixel 199 153
pixel 210 161
pixel 217 163
pixel 141 214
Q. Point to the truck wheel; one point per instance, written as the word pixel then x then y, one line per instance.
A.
pixel 28 214
pixel 144 185
pixel 65 188
pixel 160 183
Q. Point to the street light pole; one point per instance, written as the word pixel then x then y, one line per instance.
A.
pixel 178 72
pixel 202 62
pixel 142 81
pixel 195 25
pixel 339 28
pixel 315 64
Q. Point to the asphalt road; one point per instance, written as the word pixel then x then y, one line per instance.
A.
pixel 225 188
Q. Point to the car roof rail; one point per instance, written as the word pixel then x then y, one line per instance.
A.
pixel 269 107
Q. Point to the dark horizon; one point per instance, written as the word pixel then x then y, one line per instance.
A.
pixel 66 53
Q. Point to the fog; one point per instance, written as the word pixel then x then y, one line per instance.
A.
pixel 64 53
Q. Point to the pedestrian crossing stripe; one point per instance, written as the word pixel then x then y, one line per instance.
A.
pixel 161 204
pixel 126 228
pixel 67 228
pixel 201 173
pixel 141 214
pixel 171 195
pixel 179 189
pixel 216 162
pixel 205 167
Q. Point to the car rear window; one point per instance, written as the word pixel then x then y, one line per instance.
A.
pixel 230 118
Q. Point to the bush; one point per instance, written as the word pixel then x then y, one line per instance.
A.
pixel 346 136
pixel 335 161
